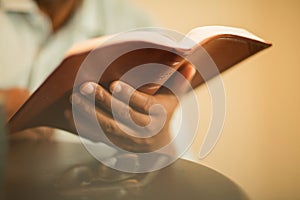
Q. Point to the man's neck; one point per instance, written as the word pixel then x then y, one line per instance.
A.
pixel 59 11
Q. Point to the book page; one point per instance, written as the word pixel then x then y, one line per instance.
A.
pixel 201 34
pixel 163 38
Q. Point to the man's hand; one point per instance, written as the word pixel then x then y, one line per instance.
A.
pixel 151 114
pixel 13 99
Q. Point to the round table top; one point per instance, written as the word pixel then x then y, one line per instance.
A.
pixel 67 171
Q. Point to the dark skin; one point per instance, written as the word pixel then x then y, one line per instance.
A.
pixel 139 108
pixel 60 11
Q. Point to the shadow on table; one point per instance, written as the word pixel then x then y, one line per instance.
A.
pixel 68 171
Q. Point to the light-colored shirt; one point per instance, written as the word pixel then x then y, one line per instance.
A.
pixel 30 51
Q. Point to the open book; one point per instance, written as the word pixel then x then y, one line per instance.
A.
pixel 226 46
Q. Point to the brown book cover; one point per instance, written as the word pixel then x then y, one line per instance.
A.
pixel 226 46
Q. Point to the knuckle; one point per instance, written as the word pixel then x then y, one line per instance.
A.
pixel 99 95
pixel 134 97
pixel 147 143
pixel 129 91
pixel 108 127
pixel 123 113
pixel 142 143
pixel 87 108
pixel 148 104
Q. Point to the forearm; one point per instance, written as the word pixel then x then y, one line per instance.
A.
pixel 12 99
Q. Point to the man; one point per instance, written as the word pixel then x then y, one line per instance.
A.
pixel 35 34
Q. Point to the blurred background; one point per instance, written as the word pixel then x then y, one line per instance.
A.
pixel 260 144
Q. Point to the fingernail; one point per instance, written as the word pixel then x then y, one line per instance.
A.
pixel 75 99
pixel 117 88
pixel 87 89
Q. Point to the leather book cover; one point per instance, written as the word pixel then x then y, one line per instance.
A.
pixel 47 104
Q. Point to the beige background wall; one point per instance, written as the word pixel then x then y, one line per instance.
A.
pixel 260 144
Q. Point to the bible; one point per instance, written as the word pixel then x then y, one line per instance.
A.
pixel 226 46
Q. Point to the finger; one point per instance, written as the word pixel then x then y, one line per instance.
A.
pixel 85 108
pixel 110 128
pixel 142 125
pixel 33 134
pixel 121 110
pixel 188 71
pixel 108 124
pixel 83 126
pixel 95 91
pixel 88 131
pixel 136 99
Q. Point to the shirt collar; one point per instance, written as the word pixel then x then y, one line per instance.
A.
pixel 23 6
pixel 89 19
